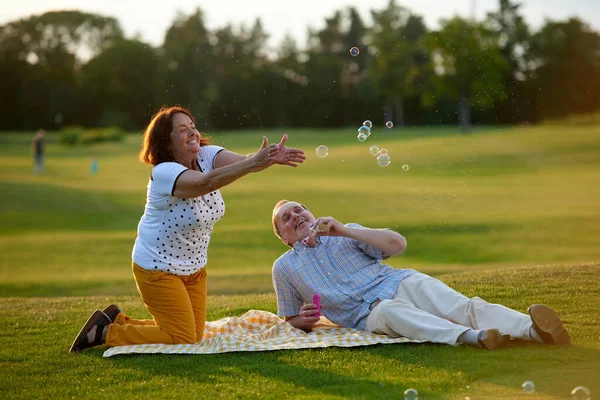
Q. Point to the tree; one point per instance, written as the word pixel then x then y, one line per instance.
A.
pixel 323 96
pixel 514 45
pixel 287 82
pixel 566 68
pixel 39 57
pixel 354 69
pixel 117 87
pixel 40 38
pixel 243 76
pixel 467 67
pixel 396 37
pixel 254 73
pixel 186 69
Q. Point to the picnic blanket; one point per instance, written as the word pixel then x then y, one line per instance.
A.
pixel 259 330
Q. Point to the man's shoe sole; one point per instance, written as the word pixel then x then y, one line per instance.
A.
pixel 547 324
pixel 491 340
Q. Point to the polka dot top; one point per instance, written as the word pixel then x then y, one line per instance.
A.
pixel 174 233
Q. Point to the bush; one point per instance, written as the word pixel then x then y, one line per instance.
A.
pixel 70 135
pixel 73 135
pixel 576 120
pixel 110 134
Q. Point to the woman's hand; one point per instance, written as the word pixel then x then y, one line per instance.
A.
pixel 265 156
pixel 270 154
pixel 288 156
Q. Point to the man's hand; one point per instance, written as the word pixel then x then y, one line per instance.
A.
pixel 389 242
pixel 306 319
pixel 328 226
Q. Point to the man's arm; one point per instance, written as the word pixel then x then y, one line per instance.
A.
pixel 288 300
pixel 306 319
pixel 391 243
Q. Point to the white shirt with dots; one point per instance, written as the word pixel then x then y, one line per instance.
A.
pixel 174 233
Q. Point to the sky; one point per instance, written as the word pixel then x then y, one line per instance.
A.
pixel 150 21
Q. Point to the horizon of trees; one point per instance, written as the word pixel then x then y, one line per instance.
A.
pixel 491 71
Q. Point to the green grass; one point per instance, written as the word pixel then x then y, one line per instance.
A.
pixel 510 215
pixel 36 332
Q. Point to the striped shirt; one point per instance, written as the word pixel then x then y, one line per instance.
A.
pixel 348 275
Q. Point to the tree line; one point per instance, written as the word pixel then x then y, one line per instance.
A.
pixel 66 68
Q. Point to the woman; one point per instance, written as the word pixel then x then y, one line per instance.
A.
pixel 183 203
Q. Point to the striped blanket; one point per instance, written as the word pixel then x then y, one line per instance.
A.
pixel 261 331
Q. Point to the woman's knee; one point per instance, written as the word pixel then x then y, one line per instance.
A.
pixel 184 337
pixel 181 333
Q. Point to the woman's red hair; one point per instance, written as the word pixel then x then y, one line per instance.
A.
pixel 157 136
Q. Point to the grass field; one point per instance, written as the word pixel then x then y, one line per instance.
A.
pixel 510 215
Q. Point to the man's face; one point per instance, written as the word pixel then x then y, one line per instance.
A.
pixel 293 222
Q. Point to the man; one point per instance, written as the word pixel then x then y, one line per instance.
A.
pixel 343 264
pixel 38 150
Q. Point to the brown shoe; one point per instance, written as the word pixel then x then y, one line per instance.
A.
pixel 112 311
pixel 81 342
pixel 490 339
pixel 547 324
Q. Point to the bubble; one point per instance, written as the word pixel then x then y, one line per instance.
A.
pixel 354 51
pixel 528 387
pixel 406 168
pixel 368 124
pixel 581 393
pixel 389 124
pixel 173 65
pixel 411 394
pixel 383 151
pixel 374 150
pixel 365 130
pixel 361 137
pixel 322 151
pixel 383 160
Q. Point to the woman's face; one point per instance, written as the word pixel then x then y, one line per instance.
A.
pixel 185 138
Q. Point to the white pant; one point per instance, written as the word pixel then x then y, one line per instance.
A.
pixel 425 308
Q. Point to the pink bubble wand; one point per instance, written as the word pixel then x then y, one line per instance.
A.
pixel 317 302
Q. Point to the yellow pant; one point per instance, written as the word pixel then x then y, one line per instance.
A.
pixel 177 303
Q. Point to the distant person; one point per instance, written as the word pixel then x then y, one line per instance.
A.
pixel 343 264
pixel 38 147
pixel 93 165
pixel 170 252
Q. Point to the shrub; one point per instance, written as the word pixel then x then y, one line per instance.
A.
pixel 576 120
pixel 97 135
pixel 70 135
pixel 73 135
